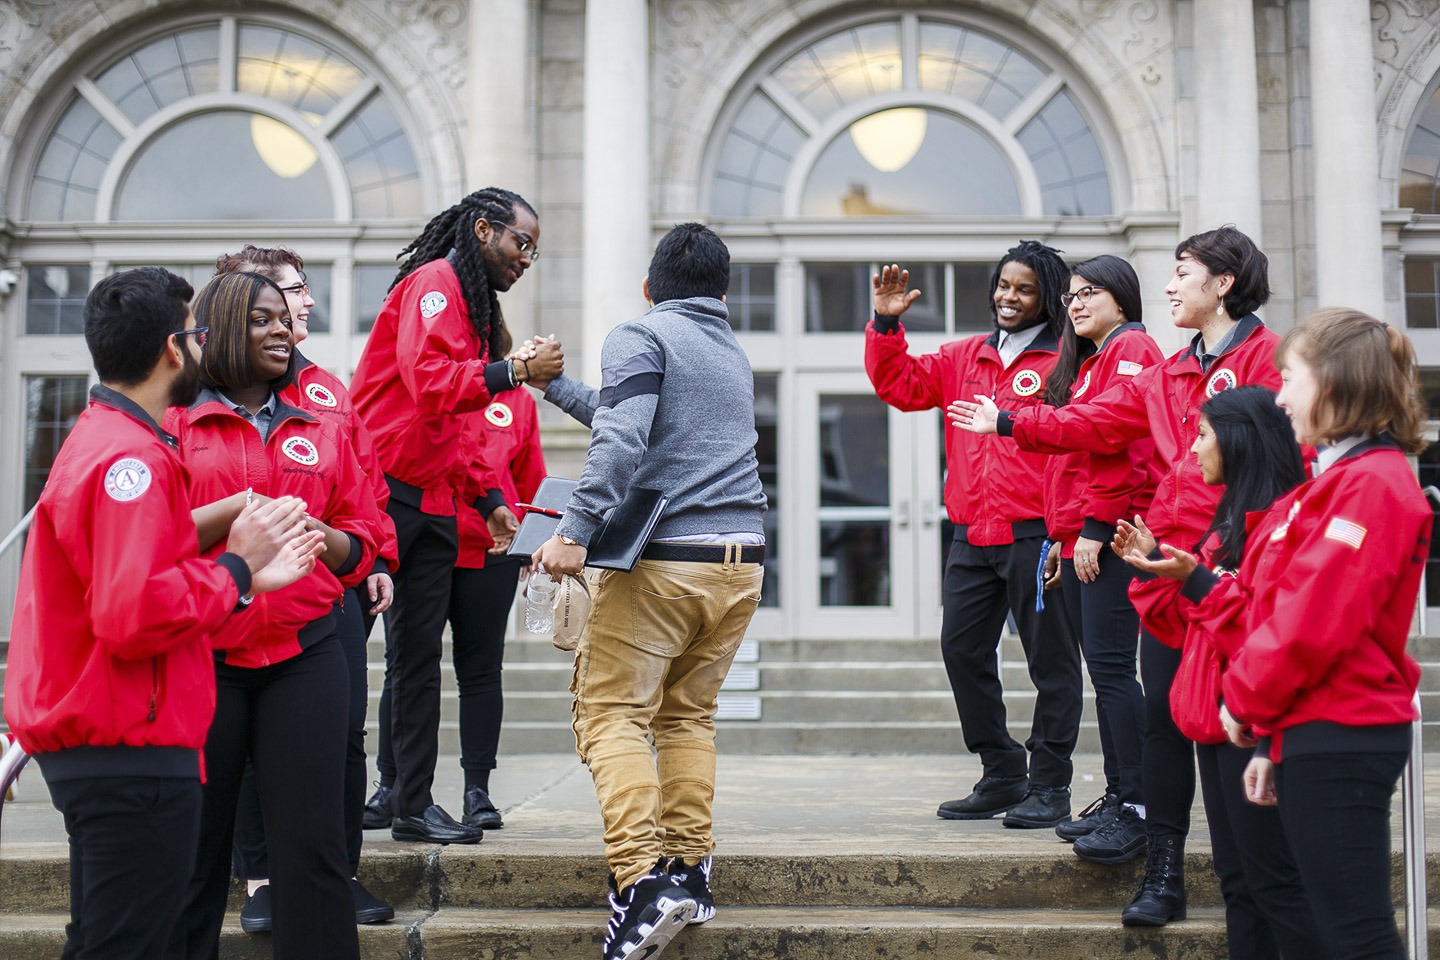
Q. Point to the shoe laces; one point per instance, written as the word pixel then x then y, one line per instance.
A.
pixel 1096 807
pixel 1157 861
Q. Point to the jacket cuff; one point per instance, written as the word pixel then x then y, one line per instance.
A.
pixel 357 549
pixel 1005 423
pixel 886 324
pixel 238 569
pixel 487 502
pixel 381 565
pixel 577 528
pixel 1198 585
pixel 499 377
pixel 1093 529
pixel 1262 747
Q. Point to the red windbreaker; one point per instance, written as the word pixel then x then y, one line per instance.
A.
pixel 511 447
pixel 990 483
pixel 304 456
pixel 319 391
pixel 1326 594
pixel 110 643
pixel 421 375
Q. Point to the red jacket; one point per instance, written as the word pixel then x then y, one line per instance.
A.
pixel 1328 589
pixel 1161 403
pixel 421 375
pixel 110 641
pixel 990 484
pixel 319 391
pixel 303 456
pixel 511 447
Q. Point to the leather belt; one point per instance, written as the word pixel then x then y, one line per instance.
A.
pixel 705 552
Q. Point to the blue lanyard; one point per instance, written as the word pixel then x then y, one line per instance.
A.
pixel 1040 575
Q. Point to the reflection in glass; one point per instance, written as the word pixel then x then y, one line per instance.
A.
pixel 1422 293
pixel 384 177
pixel 1420 174
pixel 751 297
pixel 976 67
pixel 926 315
pixel 1067 159
pixel 849 65
pixel 767 452
pixel 854 468
pixel 163 72
pixel 972 297
pixel 754 160
pixel 55 300
pixel 293 70
pixel 319 276
pixel 372 282
pixel 842 183
pixel 207 168
pixel 67 177
pixel 837 297
pixel 51 406
pixel 855 564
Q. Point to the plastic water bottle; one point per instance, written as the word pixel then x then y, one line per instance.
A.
pixel 539 602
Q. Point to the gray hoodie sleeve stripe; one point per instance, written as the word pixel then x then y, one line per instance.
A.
pixel 637 386
pixel 652 362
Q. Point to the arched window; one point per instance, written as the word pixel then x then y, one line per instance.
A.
pixel 908 116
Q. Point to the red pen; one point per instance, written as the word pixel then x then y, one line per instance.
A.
pixel 544 511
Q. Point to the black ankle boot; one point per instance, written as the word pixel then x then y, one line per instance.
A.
pixel 1161 899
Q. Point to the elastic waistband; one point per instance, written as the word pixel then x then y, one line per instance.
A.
pixel 706 552
pixel 120 760
pixel 1020 529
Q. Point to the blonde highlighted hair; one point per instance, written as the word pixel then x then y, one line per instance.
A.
pixel 1366 378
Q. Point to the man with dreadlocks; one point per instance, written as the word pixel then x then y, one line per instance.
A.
pixel 429 370
pixel 994 495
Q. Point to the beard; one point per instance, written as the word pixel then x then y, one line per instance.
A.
pixel 186 386
pixel 497 268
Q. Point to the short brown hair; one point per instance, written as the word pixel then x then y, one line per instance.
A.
pixel 265 261
pixel 224 306
pixel 1365 374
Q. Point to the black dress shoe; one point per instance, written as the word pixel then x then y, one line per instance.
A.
pixel 1042 807
pixel 433 825
pixel 368 907
pixel 991 795
pixel 377 809
pixel 479 811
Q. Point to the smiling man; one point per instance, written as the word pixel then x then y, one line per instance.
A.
pixel 994 496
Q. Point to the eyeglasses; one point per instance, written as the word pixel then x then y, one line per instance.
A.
pixel 302 288
pixel 1083 294
pixel 527 246
pixel 201 334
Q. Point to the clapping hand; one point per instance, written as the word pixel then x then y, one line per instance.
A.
pixel 981 417
pixel 891 298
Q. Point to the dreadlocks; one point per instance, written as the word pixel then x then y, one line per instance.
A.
pixel 454 229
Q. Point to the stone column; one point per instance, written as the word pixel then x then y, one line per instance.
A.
pixel 1349 263
pixel 616 226
pixel 1227 117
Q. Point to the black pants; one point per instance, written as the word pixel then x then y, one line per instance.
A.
pixel 1267 915
pixel 1168 756
pixel 290 719
pixel 132 846
pixel 251 858
pixel 1101 615
pixel 414 624
pixel 981 584
pixel 1336 811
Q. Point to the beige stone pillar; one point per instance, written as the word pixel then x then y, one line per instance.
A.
pixel 1349 263
pixel 500 148
pixel 1227 117
pixel 616 226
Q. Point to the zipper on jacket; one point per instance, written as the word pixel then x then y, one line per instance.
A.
pixel 154 686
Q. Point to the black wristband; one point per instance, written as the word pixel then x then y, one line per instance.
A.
pixel 884 323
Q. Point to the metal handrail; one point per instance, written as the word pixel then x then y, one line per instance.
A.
pixel 1412 792
pixel 13 536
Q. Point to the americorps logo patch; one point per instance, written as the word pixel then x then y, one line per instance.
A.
pixel 1084 384
pixel 499 414
pixel 1222 379
pixel 432 303
pixel 1026 383
pixel 319 394
pixel 127 479
pixel 301 451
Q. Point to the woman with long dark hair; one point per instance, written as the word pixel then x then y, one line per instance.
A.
pixel 281 675
pixel 1086 494
pixel 1245 444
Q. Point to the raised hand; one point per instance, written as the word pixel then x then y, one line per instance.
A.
pixel 1176 565
pixel 294 560
pixel 262 529
pixel 978 417
pixel 891 298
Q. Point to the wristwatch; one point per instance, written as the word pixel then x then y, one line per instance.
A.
pixel 569 543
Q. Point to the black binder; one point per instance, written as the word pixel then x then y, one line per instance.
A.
pixel 618 543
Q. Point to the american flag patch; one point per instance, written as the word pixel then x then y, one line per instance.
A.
pixel 1128 368
pixel 1346 532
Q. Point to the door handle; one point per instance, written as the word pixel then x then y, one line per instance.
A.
pixel 902 514
pixel 927 513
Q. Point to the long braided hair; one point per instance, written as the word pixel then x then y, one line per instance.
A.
pixel 454 229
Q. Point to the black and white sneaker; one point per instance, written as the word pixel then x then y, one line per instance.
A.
pixel 645 916
pixel 695 880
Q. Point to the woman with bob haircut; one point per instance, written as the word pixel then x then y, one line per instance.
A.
pixel 1246 444
pixel 1220 278
pixel 281 676
pixel 1085 496
pixel 1329 589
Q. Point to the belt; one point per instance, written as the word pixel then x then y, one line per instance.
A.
pixel 705 552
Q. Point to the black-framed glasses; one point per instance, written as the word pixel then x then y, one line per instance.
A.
pixel 302 288
pixel 527 246
pixel 201 334
pixel 1083 294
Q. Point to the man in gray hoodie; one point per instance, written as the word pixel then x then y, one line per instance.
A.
pixel 675 411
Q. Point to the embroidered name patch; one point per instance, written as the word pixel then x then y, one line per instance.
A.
pixel 432 303
pixel 1128 368
pixel 300 450
pixel 1350 534
pixel 127 479
pixel 318 394
pixel 1026 383
pixel 1084 385
pixel 499 414
pixel 1222 379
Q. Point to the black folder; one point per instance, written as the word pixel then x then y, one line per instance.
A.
pixel 618 543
